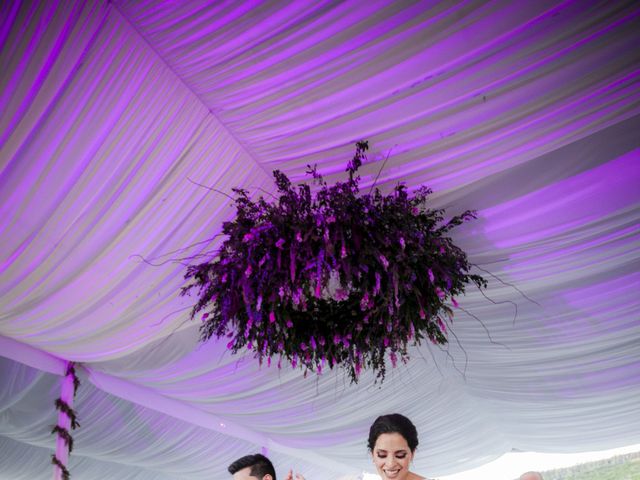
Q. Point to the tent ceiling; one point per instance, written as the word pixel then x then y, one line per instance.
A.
pixel 113 111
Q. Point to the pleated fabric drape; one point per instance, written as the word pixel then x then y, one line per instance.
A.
pixel 124 127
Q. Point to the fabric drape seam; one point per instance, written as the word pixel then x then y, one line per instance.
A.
pixel 240 144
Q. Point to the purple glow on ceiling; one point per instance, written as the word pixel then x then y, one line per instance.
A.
pixel 112 113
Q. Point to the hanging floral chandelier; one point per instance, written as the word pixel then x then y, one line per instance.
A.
pixel 332 278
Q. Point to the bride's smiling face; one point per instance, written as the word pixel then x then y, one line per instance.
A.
pixel 392 456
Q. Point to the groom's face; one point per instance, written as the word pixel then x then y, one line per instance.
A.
pixel 245 474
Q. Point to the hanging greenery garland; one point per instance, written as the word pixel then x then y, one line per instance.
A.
pixel 332 278
pixel 67 418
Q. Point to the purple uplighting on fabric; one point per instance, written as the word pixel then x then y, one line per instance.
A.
pixel 124 125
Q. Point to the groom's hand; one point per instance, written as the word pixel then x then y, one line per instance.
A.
pixel 291 477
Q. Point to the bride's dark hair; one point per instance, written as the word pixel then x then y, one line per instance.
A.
pixel 394 423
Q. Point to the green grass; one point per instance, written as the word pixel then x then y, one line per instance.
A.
pixel 625 471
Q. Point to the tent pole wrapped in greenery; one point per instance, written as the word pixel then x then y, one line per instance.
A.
pixel 332 278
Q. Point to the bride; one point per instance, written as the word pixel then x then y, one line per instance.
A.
pixel 392 442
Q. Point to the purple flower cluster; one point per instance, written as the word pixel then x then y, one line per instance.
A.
pixel 332 278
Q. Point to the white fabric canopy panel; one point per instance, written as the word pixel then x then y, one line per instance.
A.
pixel 117 116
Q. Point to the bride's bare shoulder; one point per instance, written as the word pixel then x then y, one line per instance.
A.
pixel 413 476
pixel 418 477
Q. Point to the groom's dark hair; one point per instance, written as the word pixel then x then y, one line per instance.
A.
pixel 260 466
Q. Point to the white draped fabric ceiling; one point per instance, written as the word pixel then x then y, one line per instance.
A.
pixel 115 114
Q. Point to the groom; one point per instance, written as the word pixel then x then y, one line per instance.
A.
pixel 256 467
